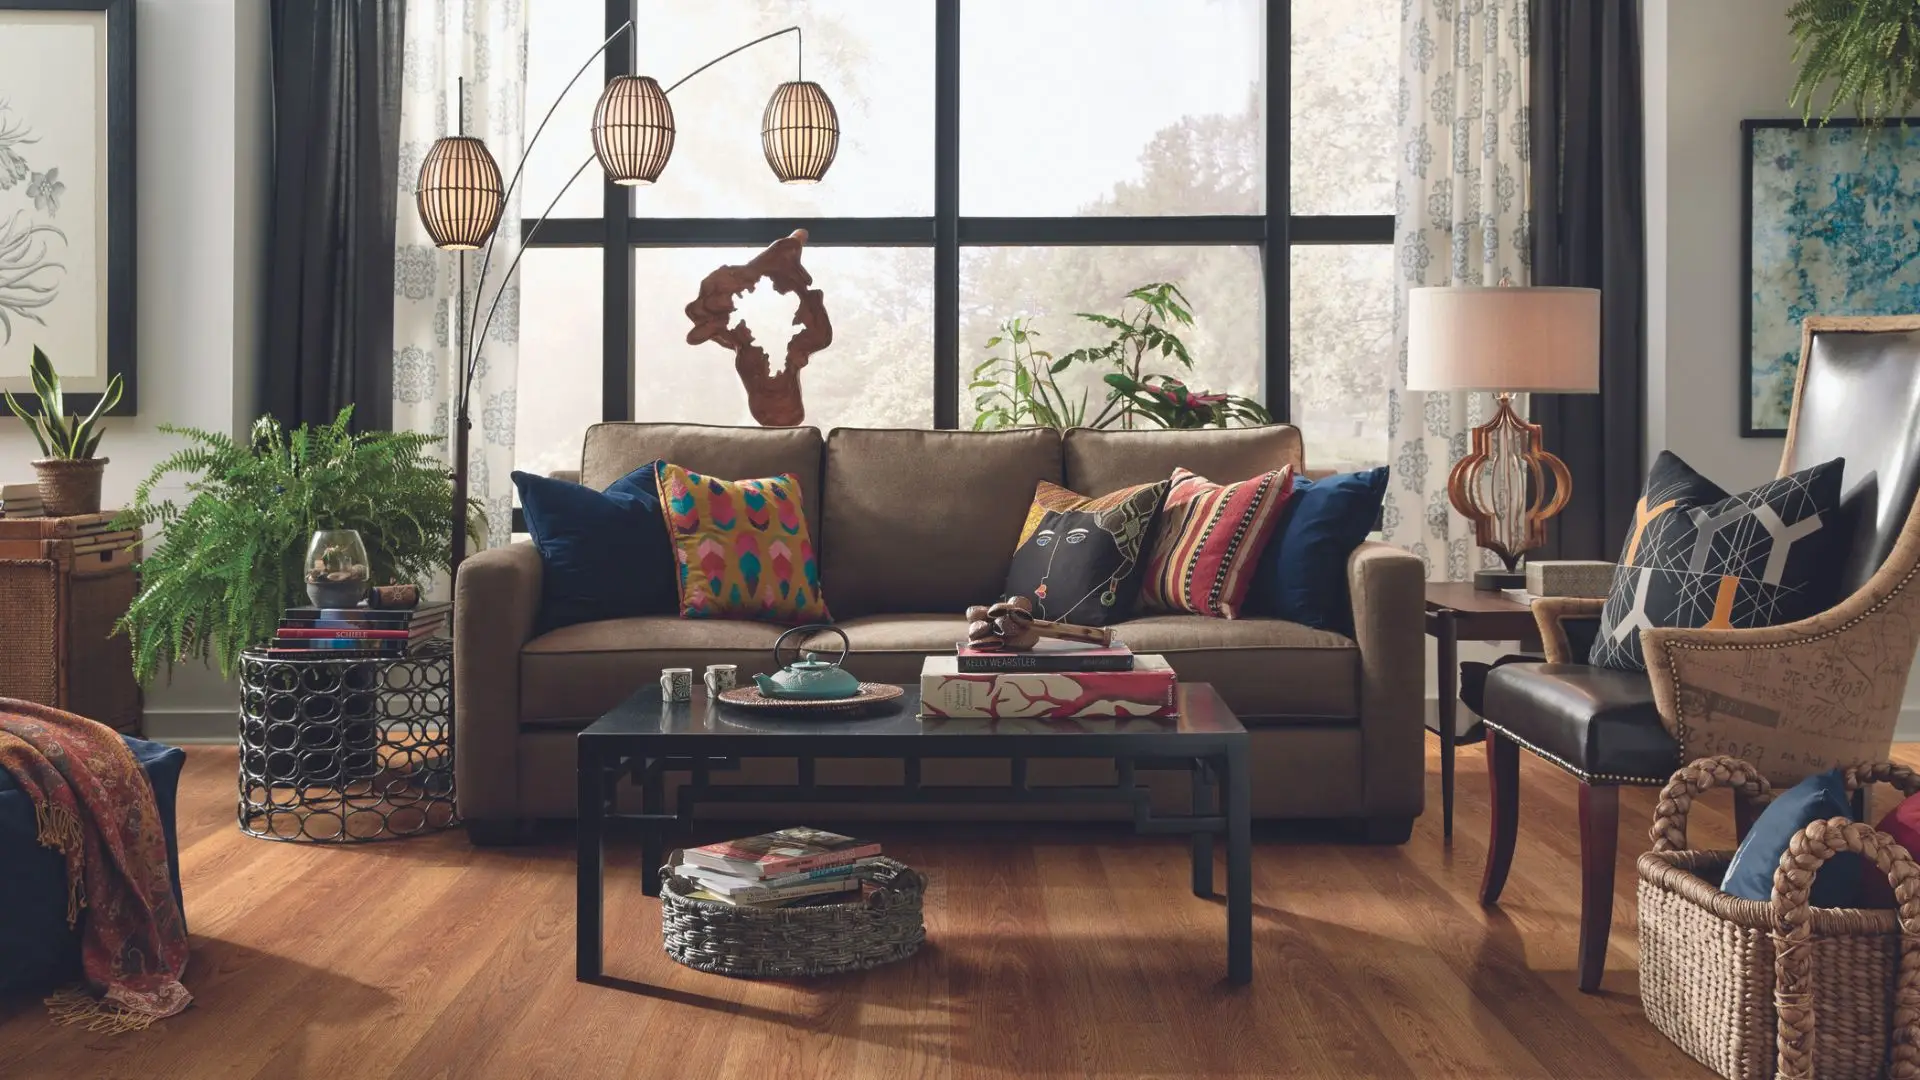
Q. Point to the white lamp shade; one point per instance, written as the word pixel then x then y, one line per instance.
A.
pixel 1543 340
pixel 800 132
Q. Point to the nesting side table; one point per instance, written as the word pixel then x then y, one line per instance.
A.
pixel 347 751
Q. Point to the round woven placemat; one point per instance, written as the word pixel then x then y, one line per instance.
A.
pixel 750 697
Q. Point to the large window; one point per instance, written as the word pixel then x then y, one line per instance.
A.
pixel 999 158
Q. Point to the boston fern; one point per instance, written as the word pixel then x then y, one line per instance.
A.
pixel 229 561
pixel 1867 50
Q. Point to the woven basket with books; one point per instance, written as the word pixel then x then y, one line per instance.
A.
pixel 789 903
pixel 1756 989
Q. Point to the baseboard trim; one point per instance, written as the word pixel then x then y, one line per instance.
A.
pixel 188 727
pixel 1907 728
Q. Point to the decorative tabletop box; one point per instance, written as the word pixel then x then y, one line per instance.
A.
pixel 1570 577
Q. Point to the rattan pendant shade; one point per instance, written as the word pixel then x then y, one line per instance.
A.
pixel 459 195
pixel 633 130
pixel 800 132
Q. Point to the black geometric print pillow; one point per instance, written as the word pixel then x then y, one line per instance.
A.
pixel 1698 557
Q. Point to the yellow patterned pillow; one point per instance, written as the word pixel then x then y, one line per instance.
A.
pixel 743 548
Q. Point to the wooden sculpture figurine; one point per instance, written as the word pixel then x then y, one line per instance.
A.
pixel 773 398
pixel 1009 626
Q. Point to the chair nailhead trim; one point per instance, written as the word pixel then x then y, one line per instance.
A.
pixel 1586 777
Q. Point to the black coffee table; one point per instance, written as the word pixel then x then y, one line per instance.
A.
pixel 646 739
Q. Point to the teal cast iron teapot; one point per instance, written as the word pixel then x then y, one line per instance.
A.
pixel 809 680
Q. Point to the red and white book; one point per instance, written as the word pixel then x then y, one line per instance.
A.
pixel 787 851
pixel 1149 690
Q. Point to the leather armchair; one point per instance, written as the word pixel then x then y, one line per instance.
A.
pixel 1792 699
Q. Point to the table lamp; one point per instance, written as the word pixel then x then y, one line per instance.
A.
pixel 1506 340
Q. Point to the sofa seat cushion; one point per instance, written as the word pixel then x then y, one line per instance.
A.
pixel 1597 723
pixel 572 675
pixel 1269 671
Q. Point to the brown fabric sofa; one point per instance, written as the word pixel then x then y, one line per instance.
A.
pixel 911 527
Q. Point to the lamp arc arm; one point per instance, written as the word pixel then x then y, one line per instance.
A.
pixel 473 361
pixel 799 44
pixel 526 152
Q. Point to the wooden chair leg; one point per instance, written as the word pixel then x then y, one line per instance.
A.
pixel 1599 841
pixel 1503 785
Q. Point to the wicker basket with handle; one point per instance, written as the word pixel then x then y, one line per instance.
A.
pixel 883 925
pixel 1757 989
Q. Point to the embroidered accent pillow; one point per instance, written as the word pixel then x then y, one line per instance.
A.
pixel 1080 559
pixel 1700 558
pixel 1209 542
pixel 743 548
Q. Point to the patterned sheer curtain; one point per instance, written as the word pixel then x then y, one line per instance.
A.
pixel 484 42
pixel 1461 219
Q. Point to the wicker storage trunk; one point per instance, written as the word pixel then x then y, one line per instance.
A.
pixel 779 943
pixel 57 611
pixel 1753 990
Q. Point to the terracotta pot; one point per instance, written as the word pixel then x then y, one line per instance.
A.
pixel 69 487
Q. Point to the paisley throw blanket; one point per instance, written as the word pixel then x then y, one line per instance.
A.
pixel 94 806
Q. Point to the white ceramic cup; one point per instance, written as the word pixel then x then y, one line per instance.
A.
pixel 720 678
pixel 676 684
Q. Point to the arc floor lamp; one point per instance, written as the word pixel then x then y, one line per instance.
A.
pixel 460 196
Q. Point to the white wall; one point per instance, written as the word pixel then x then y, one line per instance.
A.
pixel 1709 65
pixel 201 104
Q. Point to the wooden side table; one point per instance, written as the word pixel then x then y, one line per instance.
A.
pixel 1457 611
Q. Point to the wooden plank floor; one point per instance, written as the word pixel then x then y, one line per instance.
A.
pixel 1068 952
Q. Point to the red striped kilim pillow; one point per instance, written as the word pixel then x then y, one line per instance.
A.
pixel 1210 540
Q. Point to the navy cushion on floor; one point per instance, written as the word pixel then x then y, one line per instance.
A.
pixel 37 948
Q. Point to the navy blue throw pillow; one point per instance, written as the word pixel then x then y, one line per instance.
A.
pixel 606 554
pixel 1817 798
pixel 1303 573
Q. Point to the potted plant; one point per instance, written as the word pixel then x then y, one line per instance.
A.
pixel 236 555
pixel 1866 51
pixel 1019 389
pixel 69 474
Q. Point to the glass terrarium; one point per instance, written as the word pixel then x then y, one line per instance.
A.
pixel 337 570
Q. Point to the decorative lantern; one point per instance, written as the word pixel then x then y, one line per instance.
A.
pixel 459 195
pixel 800 132
pixel 633 130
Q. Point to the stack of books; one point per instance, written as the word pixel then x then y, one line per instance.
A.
pixel 89 533
pixel 1055 680
pixel 356 633
pixel 20 501
pixel 776 869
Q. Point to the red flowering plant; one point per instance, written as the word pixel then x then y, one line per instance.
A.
pixel 1166 401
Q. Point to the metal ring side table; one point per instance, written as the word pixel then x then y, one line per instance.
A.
pixel 347 751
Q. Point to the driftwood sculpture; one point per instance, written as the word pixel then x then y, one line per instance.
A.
pixel 774 399
pixel 1009 626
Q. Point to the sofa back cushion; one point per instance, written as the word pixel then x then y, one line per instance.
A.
pixel 613 450
pixel 926 521
pixel 1098 462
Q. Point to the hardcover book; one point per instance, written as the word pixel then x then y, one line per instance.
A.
pixel 1149 690
pixel 787 851
pixel 1047 655
pixel 729 889
pixel 371 616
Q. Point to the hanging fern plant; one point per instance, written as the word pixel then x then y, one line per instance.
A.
pixel 230 560
pixel 1866 51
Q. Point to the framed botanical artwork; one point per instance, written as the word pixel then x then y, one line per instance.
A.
pixel 66 195
pixel 1832 227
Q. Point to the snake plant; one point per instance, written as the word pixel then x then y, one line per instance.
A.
pixel 60 436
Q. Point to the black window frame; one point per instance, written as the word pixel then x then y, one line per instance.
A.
pixel 619 231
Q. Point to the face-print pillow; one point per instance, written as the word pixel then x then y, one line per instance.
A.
pixel 1080 559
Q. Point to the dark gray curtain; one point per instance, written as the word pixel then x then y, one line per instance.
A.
pixel 336 104
pixel 1589 229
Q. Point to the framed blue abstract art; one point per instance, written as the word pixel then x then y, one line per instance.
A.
pixel 1832 227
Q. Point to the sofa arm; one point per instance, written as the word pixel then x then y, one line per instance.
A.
pixel 1799 697
pixel 1389 587
pixel 495 601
